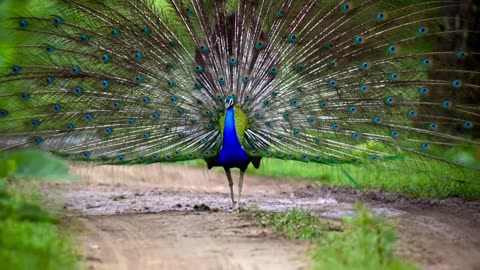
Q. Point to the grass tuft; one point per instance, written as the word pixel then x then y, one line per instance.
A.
pixel 294 224
pixel 364 241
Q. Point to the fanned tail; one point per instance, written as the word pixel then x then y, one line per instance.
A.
pixel 108 81
pixel 361 82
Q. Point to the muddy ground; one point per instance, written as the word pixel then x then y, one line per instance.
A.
pixel 178 217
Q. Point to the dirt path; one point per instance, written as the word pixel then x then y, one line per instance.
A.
pixel 171 217
pixel 179 240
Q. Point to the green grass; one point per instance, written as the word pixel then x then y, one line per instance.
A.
pixel 31 238
pixel 294 224
pixel 371 177
pixel 393 177
pixel 364 241
pixel 34 246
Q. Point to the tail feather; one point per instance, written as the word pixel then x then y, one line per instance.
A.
pixel 320 81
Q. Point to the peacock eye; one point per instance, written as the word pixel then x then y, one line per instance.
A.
pixel 292 38
pixel 145 31
pixel 23 24
pixel 273 70
pixel 57 20
pixel 105 58
pixel 259 46
pixel 16 69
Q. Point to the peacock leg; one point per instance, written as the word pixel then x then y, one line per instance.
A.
pixel 240 185
pixel 230 183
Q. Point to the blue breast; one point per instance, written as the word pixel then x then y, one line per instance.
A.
pixel 232 154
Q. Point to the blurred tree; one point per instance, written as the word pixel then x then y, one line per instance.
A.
pixel 467 16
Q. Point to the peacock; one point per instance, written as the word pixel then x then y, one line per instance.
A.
pixel 385 84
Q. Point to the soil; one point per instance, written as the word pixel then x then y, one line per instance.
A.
pixel 179 217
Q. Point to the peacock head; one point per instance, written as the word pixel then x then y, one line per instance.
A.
pixel 229 101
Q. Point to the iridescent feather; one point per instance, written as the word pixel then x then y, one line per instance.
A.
pixel 234 81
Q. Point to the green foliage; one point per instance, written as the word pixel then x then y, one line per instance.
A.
pixel 34 246
pixel 364 241
pixel 29 235
pixel 16 209
pixel 32 165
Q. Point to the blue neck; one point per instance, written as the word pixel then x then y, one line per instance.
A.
pixel 232 154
